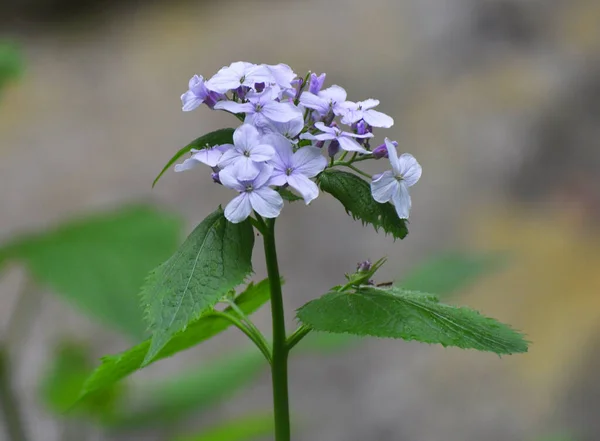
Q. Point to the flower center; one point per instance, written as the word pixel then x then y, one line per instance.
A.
pixel 243 79
pixel 246 153
pixel 289 170
pixel 249 188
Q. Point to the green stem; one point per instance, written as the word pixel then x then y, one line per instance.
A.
pixel 297 336
pixel 9 405
pixel 260 343
pixel 280 350
pixel 252 327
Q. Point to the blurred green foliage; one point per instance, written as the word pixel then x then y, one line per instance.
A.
pixel 99 262
pixel 11 63
pixel 243 429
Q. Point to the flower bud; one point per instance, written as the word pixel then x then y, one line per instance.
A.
pixel 333 148
pixel 215 178
pixel 363 267
pixel 381 151
pixel 316 83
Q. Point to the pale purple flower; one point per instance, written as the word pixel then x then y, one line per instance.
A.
pixel 316 83
pixel 354 112
pixel 262 105
pixel 239 74
pixel 246 153
pixel 255 194
pixel 198 94
pixel 393 185
pixel 289 129
pixel 210 157
pixel 282 74
pixel 326 101
pixel 381 150
pixel 345 139
pixel 296 169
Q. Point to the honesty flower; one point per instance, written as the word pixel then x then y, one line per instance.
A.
pixel 295 169
pixel 209 157
pixel 254 194
pixel 327 100
pixel 345 139
pixel 246 152
pixel 289 129
pixel 282 74
pixel 364 110
pixel 392 185
pixel 198 94
pixel 316 83
pixel 262 105
pixel 239 74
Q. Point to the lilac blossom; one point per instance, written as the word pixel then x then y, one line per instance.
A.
pixel 393 185
pixel 316 83
pixel 246 153
pixel 255 194
pixel 326 101
pixel 239 74
pixel 198 94
pixel 262 105
pixel 354 112
pixel 209 157
pixel 296 169
pixel 345 139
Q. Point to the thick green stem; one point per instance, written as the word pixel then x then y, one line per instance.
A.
pixel 9 405
pixel 280 350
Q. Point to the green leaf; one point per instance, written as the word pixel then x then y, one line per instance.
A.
pixel 117 367
pixel 288 195
pixel 355 195
pixel 396 313
pixel 216 257
pixel 61 384
pixel 99 262
pixel 325 343
pixel 218 137
pixel 450 272
pixel 197 389
pixel 248 428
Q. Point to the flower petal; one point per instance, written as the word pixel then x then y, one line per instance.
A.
pixel 246 169
pixel 278 178
pixel 384 186
pixel 233 107
pixel 309 161
pixel 368 104
pixel 264 174
pixel 409 168
pixel 266 201
pixel 351 145
pixel 212 156
pixel 239 208
pixel 393 156
pixel 307 188
pixel 230 157
pixel 335 94
pixel 401 200
pixel 261 152
pixel 314 102
pixel 280 112
pixel 378 119
pixel 245 136
pixel 190 101
pixel 188 164
pixel 228 178
pixel 323 128
pixel 282 159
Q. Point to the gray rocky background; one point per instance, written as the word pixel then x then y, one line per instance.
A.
pixel 498 99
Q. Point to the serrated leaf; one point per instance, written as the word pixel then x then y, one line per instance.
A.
pixel 407 315
pixel 218 137
pixel 215 258
pixel 99 262
pixel 116 367
pixel 62 381
pixel 450 272
pixel 247 428
pixel 197 389
pixel 355 195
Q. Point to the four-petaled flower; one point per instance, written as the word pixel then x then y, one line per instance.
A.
pixel 354 112
pixel 295 169
pixel 392 185
pixel 345 139
pixel 255 194
pixel 198 94
pixel 326 101
pixel 246 153
pixel 262 106
pixel 239 74
pixel 210 157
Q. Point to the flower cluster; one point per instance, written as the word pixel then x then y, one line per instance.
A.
pixel 289 125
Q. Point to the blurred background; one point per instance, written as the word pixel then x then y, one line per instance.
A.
pixel 499 100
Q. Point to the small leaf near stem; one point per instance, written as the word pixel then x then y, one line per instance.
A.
pixel 265 348
pixel 297 336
